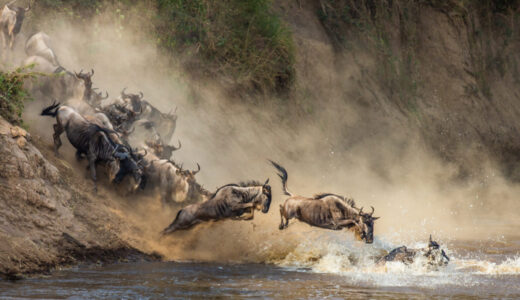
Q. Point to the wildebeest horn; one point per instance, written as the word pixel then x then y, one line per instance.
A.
pixel 28 7
pixel 106 97
pixel 372 210
pixel 198 170
pixel 92 73
pixel 123 94
pixel 141 94
pixel 361 210
pixel 266 182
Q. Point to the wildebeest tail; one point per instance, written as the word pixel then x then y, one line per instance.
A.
pixel 51 110
pixel 284 176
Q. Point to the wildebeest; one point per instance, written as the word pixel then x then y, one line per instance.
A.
pixel 39 44
pixel 42 65
pixel 94 141
pixel 87 82
pixel 153 140
pixel 327 211
pixel 435 256
pixel 165 123
pixel 96 98
pixel 166 151
pixel 59 83
pixel 11 22
pixel 173 181
pixel 120 115
pixel 237 201
pixel 131 101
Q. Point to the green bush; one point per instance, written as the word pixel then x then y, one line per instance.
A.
pixel 13 95
pixel 242 39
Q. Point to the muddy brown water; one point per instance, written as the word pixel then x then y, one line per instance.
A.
pixel 327 270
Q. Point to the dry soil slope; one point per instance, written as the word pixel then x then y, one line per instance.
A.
pixel 47 218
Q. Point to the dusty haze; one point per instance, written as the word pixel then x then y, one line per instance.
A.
pixel 376 157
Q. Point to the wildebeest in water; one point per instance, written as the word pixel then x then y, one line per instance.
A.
pixel 435 256
pixel 232 201
pixel 327 211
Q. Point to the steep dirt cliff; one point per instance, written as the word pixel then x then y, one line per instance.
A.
pixel 445 71
pixel 48 218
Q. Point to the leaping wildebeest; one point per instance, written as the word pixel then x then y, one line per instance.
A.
pixel 327 211
pixel 237 201
pixel 11 22
pixel 95 142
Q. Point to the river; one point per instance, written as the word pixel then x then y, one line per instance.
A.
pixel 327 269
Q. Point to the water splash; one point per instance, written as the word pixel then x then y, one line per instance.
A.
pixel 356 261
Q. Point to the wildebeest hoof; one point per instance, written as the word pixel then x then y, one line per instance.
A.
pixel 281 227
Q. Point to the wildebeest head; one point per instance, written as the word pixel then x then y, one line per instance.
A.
pixel 97 97
pixel 20 15
pixel 188 174
pixel 262 198
pixel 86 77
pixel 135 100
pixel 265 197
pixel 365 226
pixel 161 150
pixel 435 255
pixel 171 115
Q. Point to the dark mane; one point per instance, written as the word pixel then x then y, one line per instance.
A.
pixel 349 201
pixel 249 183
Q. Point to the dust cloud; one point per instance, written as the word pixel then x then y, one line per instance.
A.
pixel 376 157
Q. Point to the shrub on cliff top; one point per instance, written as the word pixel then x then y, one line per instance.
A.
pixel 13 95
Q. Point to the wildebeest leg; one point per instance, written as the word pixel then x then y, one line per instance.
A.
pixel 282 226
pixel 10 34
pixel 11 41
pixel 243 206
pixel 165 189
pixel 92 165
pixel 58 130
pixel 339 224
pixel 247 216
pixel 4 43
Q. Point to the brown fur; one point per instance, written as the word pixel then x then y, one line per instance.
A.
pixel 236 201
pixel 325 210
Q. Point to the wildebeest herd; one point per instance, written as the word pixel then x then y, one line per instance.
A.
pixel 130 138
